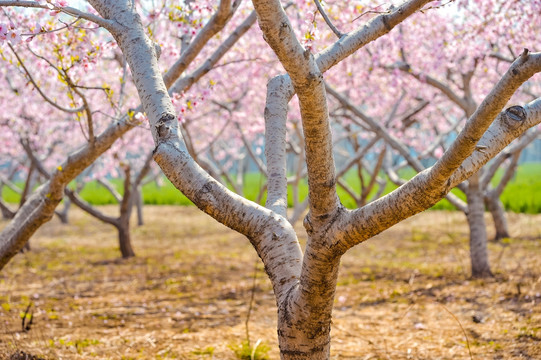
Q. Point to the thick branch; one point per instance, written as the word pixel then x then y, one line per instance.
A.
pixel 520 71
pixel 184 83
pixel 422 191
pixel 39 208
pixel 275 144
pixel 211 28
pixel 517 146
pixel 308 83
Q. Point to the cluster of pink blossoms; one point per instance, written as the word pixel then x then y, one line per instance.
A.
pixel 13 35
pixel 9 33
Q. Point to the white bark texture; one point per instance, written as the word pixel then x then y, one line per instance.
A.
pixel 304 286
pixel 492 195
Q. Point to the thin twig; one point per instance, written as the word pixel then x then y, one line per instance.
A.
pixel 327 20
pixel 45 97
pixel 108 24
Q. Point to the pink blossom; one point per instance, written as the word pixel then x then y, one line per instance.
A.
pixel 14 37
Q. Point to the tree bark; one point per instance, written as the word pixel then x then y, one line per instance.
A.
pixel 305 315
pixel 480 266
pixel 497 211
pixel 27 184
pixel 7 213
pixel 305 285
pixel 124 239
pixel 63 215
pixel 139 205
pixel 126 206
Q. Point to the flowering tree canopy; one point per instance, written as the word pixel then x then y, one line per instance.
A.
pixel 304 282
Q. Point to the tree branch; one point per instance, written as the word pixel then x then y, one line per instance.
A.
pixel 110 187
pixel 211 28
pixel 327 20
pixel 498 160
pixel 464 145
pixel 184 83
pixel 83 205
pixel 65 9
pixel 423 191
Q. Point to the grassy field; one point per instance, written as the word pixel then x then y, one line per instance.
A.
pixel 522 195
pixel 405 294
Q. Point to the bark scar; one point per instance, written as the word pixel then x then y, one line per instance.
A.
pixel 386 23
pixel 165 126
pixel 514 116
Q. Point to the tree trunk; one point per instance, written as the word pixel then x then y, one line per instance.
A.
pixel 7 213
pixel 478 234
pixel 298 344
pixel 27 190
pixel 139 205
pixel 63 215
pixel 305 312
pixel 124 240
pixel 28 184
pixel 123 225
pixel 497 211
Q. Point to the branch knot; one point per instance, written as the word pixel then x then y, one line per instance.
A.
pixel 514 116
pixel 165 125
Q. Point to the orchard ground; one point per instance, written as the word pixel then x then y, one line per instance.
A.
pixel 405 294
